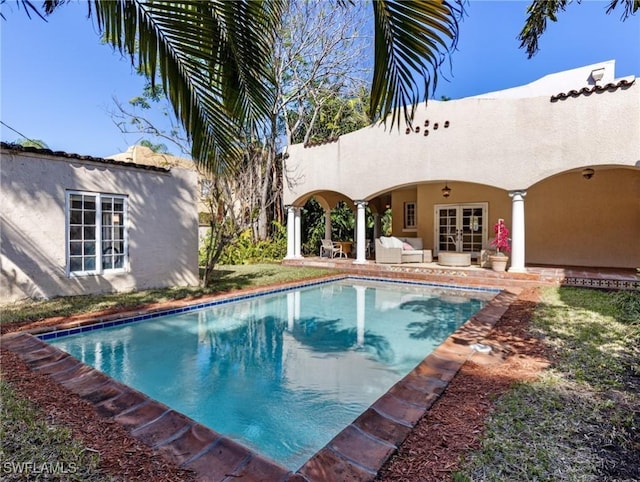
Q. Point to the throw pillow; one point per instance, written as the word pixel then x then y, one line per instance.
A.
pixel 406 246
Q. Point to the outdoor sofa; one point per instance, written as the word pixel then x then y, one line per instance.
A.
pixel 394 250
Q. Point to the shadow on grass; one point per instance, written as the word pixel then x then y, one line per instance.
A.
pixel 551 430
pixel 578 421
pixel 224 280
pixel 228 280
pixel 595 335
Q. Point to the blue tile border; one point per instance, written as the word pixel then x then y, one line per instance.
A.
pixel 241 297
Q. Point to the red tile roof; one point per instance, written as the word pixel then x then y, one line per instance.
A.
pixel 611 86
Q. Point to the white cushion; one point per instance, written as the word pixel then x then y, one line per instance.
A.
pixel 384 241
pixel 396 243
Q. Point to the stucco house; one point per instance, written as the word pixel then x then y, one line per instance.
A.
pixel 557 159
pixel 73 224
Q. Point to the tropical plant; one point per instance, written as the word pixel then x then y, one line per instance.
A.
pixel 539 11
pixel 244 250
pixel 501 241
pixel 213 58
pixel 312 226
pixel 319 65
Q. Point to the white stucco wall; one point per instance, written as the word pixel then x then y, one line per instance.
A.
pixel 509 143
pixel 162 225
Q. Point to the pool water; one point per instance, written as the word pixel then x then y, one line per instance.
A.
pixel 281 373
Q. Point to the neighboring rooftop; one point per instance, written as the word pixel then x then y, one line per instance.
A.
pixel 67 155
pixel 143 155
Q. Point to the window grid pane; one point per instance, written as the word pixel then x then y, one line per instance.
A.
pixel 112 233
pixel 410 215
pixel 82 229
pixel 85 224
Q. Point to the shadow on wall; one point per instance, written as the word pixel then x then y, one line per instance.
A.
pixel 25 270
pixel 162 228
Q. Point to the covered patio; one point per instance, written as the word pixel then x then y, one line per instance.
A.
pixel 557 159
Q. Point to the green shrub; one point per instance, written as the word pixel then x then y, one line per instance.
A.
pixel 244 251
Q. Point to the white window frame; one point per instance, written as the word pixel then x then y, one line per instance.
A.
pixel 99 269
pixel 407 215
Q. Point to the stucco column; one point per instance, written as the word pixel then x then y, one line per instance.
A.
pixel 517 231
pixel 298 233
pixel 327 224
pixel 361 231
pixel 290 232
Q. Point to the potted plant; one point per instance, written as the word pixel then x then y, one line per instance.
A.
pixel 501 242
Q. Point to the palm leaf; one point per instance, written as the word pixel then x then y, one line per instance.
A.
pixel 212 58
pixel 539 11
pixel 411 39
pixel 537 14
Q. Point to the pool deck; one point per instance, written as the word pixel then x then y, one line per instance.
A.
pixel 356 453
pixel 578 276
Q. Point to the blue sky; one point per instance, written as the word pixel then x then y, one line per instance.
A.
pixel 58 81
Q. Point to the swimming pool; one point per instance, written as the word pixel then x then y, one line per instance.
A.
pixel 281 373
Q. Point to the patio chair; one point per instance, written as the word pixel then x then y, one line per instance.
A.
pixel 331 249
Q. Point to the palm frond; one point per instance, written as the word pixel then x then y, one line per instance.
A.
pixel 539 11
pixel 411 40
pixel 630 7
pixel 28 7
pixel 212 58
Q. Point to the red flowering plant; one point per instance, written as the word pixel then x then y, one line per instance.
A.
pixel 501 241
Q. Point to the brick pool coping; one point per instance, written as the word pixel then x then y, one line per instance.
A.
pixel 358 452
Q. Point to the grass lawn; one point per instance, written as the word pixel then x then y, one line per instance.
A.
pixel 580 420
pixel 226 278
pixel 34 448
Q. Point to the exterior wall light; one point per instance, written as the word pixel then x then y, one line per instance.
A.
pixel 588 173
pixel 446 190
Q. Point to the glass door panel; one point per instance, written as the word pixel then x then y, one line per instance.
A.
pixel 461 228
pixel 472 230
pixel 447 229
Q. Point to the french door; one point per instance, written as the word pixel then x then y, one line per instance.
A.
pixel 460 227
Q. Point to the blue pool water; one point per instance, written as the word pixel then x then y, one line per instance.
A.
pixel 281 373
